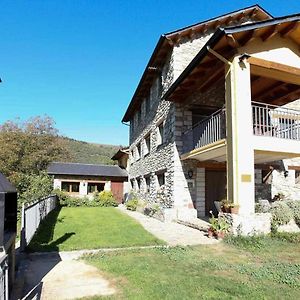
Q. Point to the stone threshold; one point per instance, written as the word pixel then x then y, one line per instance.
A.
pixel 195 224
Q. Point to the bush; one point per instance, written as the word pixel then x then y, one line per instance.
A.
pixel 295 208
pixel 132 204
pixel 105 199
pixel 290 237
pixel 254 242
pixel 281 214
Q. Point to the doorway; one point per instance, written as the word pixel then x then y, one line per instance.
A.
pixel 215 189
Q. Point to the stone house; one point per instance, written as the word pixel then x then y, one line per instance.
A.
pixel 85 179
pixel 215 115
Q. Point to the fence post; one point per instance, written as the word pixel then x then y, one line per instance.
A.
pixel 23 229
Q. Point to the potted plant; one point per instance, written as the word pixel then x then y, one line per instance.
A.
pixel 223 228
pixel 218 227
pixel 225 205
pixel 234 208
pixel 213 225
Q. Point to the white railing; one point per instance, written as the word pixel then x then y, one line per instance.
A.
pixel 32 214
pixel 209 130
pixel 275 121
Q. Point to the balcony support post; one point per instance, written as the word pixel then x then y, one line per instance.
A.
pixel 240 152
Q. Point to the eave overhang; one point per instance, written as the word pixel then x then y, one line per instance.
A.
pixel 205 68
pixel 168 40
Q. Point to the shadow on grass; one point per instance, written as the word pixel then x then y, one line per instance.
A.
pixel 43 238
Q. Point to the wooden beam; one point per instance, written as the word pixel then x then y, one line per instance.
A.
pixel 289 29
pixel 274 70
pixel 272 31
pixel 211 165
pixel 286 98
pixel 296 168
pixel 213 78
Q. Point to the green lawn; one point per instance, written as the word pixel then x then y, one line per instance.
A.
pixel 74 228
pixel 263 269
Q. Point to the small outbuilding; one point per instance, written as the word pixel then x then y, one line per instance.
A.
pixel 85 179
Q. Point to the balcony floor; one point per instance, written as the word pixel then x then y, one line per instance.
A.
pixel 266 149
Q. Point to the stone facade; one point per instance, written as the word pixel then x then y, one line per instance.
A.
pixel 157 139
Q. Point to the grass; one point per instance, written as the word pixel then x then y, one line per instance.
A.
pixel 75 228
pixel 239 269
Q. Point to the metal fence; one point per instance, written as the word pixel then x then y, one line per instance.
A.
pixel 3 278
pixel 32 214
pixel 209 130
pixel 275 121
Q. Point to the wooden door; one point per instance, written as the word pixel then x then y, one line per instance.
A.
pixel 215 189
pixel 117 190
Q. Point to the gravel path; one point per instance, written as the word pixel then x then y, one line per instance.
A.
pixel 173 234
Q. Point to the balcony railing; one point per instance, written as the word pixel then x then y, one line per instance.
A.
pixel 275 121
pixel 209 130
pixel 268 120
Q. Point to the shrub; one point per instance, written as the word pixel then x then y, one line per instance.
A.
pixel 105 199
pixel 254 242
pixel 295 208
pixel 281 214
pixel 291 237
pixel 151 209
pixel 132 204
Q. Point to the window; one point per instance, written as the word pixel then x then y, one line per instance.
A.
pixel 161 179
pixel 132 157
pixel 70 187
pixel 139 116
pixel 297 177
pixel 95 187
pixel 139 183
pixel 160 134
pixel 147 144
pixel 139 151
pixel 148 182
pixel 147 104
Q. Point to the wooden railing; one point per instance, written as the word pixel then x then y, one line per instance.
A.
pixel 209 130
pixel 275 121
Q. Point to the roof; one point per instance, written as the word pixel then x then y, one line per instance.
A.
pixel 234 30
pixel 166 42
pixel 120 153
pixel 5 185
pixel 57 168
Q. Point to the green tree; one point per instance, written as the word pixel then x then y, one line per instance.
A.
pixel 26 150
pixel 28 147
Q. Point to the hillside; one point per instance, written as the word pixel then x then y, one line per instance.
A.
pixel 89 153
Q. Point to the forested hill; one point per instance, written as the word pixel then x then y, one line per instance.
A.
pixel 89 153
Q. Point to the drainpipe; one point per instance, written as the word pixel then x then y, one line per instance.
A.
pixel 219 56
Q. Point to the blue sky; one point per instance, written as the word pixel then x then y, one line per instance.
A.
pixel 80 61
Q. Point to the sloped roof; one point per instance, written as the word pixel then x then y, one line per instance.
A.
pixel 5 185
pixel 218 41
pixel 57 168
pixel 120 153
pixel 166 42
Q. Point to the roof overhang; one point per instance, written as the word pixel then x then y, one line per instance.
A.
pixel 168 40
pixel 205 69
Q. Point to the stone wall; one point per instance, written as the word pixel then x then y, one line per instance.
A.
pixel 182 194
pixel 250 224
